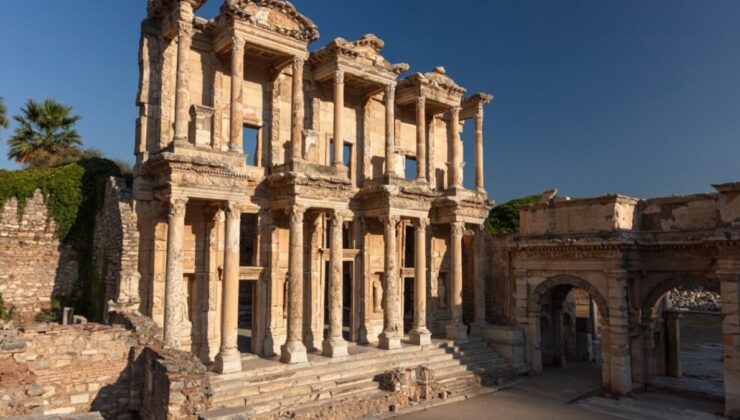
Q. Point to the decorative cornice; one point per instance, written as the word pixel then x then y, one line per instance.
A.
pixel 239 9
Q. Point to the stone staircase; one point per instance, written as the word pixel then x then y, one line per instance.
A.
pixel 269 389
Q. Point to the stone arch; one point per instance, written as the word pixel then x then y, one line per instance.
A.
pixel 535 298
pixel 651 300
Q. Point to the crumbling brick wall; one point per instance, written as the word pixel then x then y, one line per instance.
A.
pixel 35 264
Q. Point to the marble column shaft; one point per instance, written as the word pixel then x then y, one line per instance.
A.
pixel 237 107
pixel 456 330
pixel 338 118
pixel 419 334
pixel 421 139
pixel 479 183
pixel 390 338
pixel 390 129
pixel 174 297
pixel 182 89
pixel 479 285
pixel 228 358
pixel 294 351
pixel 297 112
pixel 335 345
pixel 455 148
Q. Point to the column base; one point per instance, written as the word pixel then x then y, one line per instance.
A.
pixel 420 336
pixel 457 331
pixel 236 149
pixel 228 361
pixel 334 347
pixel 389 340
pixel 293 352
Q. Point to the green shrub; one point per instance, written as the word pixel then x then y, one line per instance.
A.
pixel 504 218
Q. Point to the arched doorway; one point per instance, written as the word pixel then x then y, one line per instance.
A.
pixel 683 333
pixel 567 315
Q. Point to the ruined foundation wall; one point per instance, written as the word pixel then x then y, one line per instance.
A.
pixel 35 265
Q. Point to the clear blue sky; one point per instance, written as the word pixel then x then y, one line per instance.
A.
pixel 638 97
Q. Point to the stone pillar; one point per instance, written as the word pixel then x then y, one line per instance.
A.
pixel 620 367
pixel 648 345
pixel 390 129
pixel 673 343
pixel 390 338
pixel 237 107
pixel 296 136
pixel 729 279
pixel 173 293
pixel 293 351
pixel 421 139
pixel 456 149
pixel 182 91
pixel 338 116
pixel 479 187
pixel 419 334
pixel 456 330
pixel 335 345
pixel 228 358
pixel 479 282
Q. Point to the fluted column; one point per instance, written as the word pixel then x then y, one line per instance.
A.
pixel 182 90
pixel 479 282
pixel 296 136
pixel 335 345
pixel 229 358
pixel 419 334
pixel 421 139
pixel 456 330
pixel 390 129
pixel 390 338
pixel 237 107
pixel 456 149
pixel 293 351
pixel 338 119
pixel 173 293
pixel 479 151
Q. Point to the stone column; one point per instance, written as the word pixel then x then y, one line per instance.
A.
pixel 296 136
pixel 335 345
pixel 390 129
pixel 479 187
pixel 456 148
pixel 729 277
pixel 390 338
pixel 293 351
pixel 237 107
pixel 419 334
pixel 673 343
pixel 648 344
pixel 338 116
pixel 173 297
pixel 479 282
pixel 456 330
pixel 229 358
pixel 182 91
pixel 421 139
pixel 619 364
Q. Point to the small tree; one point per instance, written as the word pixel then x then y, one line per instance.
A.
pixel 45 135
pixel 504 218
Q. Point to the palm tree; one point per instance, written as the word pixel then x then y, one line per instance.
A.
pixel 3 116
pixel 46 131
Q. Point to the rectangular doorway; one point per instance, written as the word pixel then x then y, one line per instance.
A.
pixel 408 304
pixel 246 315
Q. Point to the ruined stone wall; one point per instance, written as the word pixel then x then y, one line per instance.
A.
pixel 34 264
pixel 499 280
pixel 57 369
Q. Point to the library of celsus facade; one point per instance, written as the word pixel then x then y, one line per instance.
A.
pixel 292 201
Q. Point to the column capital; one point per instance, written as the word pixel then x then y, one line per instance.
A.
pixel 422 223
pixel 337 218
pixel 390 90
pixel 176 206
pixel 232 209
pixel 237 42
pixel 219 216
pixel 455 110
pixel 391 219
pixel 298 61
pixel 457 228
pixel 184 28
pixel 296 214
pixel 339 76
pixel 421 101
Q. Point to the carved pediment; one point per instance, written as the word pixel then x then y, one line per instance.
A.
pixel 163 7
pixel 366 48
pixel 276 15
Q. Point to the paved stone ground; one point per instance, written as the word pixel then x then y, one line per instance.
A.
pixel 549 396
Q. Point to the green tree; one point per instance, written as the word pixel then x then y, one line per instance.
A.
pixel 504 218
pixel 3 114
pixel 45 134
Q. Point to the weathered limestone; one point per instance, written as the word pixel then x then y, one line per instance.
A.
pixel 419 334
pixel 182 96
pixel 421 139
pixel 455 149
pixel 390 129
pixel 236 117
pixel 390 338
pixel 297 113
pixel 173 304
pixel 338 119
pixel 294 351
pixel 229 358
pixel 479 285
pixel 456 330
pixel 479 184
pixel 335 345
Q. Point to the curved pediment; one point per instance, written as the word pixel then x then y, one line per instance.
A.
pixel 366 48
pixel 277 15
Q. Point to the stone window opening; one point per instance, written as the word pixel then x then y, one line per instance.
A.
pixel 410 167
pixel 252 137
pixel 248 240
pixel 409 246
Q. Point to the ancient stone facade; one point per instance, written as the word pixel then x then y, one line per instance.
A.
pixel 621 255
pixel 284 177
pixel 35 264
